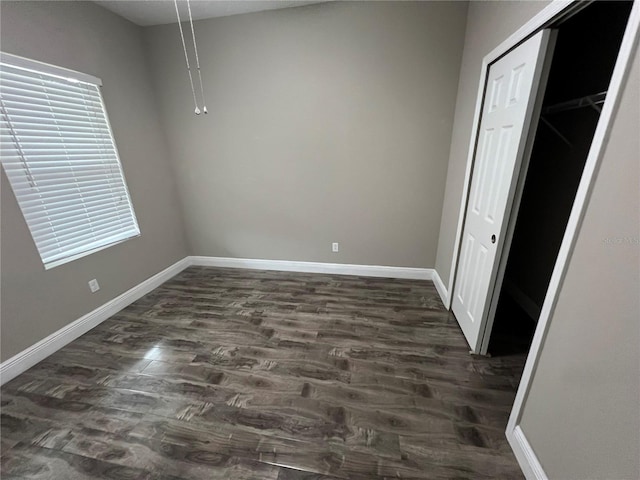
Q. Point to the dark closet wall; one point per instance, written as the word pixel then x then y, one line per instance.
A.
pixel 583 61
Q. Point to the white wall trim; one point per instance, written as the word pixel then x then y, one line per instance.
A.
pixel 315 267
pixel 442 290
pixel 525 455
pixel 37 352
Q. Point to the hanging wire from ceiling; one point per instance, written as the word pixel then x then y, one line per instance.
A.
pixel 186 57
pixel 195 49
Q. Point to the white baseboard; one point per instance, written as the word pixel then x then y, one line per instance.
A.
pixel 526 303
pixel 26 359
pixel 442 290
pixel 316 267
pixel 525 455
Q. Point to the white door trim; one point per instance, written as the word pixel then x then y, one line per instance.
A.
pixel 526 457
pixel 515 436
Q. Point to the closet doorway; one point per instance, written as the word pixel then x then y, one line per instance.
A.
pixel 583 61
pixel 588 40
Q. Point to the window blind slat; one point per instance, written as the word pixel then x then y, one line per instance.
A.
pixel 29 128
pixel 95 214
pixel 29 102
pixel 76 164
pixel 53 142
pixel 70 213
pixel 81 220
pixel 68 204
pixel 44 84
pixel 56 155
pixel 73 241
pixel 27 77
pixel 59 258
pixel 46 112
pixel 51 99
pixel 52 113
pixel 66 251
pixel 36 199
pixel 86 190
pixel 75 230
pixel 73 150
pixel 17 97
pixel 46 231
pixel 77 137
pixel 54 120
pixel 62 164
pixel 52 185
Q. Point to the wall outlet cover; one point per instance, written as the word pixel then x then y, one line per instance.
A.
pixel 93 285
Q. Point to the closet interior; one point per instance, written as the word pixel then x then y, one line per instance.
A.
pixel 583 60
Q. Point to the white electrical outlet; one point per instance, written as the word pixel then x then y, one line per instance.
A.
pixel 335 247
pixel 93 285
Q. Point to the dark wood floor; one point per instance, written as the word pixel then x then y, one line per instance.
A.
pixel 242 374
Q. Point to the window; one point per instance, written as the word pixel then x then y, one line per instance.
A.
pixel 59 155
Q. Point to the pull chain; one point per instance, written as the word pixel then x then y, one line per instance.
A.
pixel 186 57
pixel 195 48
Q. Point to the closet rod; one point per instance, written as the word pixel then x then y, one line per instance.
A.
pixel 592 101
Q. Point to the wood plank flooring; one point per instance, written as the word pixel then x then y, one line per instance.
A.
pixel 240 374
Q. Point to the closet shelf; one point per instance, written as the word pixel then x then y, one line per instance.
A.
pixel 593 101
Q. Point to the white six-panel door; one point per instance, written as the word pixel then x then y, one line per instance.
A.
pixel 510 94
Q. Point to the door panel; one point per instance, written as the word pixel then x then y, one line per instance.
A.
pixel 512 86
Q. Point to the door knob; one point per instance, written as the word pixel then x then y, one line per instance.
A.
pixel 493 239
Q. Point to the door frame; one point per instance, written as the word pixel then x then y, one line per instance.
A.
pixel 557 10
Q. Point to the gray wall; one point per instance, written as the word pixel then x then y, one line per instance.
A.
pixel 582 416
pixel 489 23
pixel 85 37
pixel 327 123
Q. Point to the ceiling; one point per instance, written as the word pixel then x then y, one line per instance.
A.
pixel 158 12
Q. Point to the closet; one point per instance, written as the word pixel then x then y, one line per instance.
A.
pixel 585 52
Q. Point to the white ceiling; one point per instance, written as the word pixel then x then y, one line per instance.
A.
pixel 158 12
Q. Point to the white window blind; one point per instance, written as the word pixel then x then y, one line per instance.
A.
pixel 62 163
